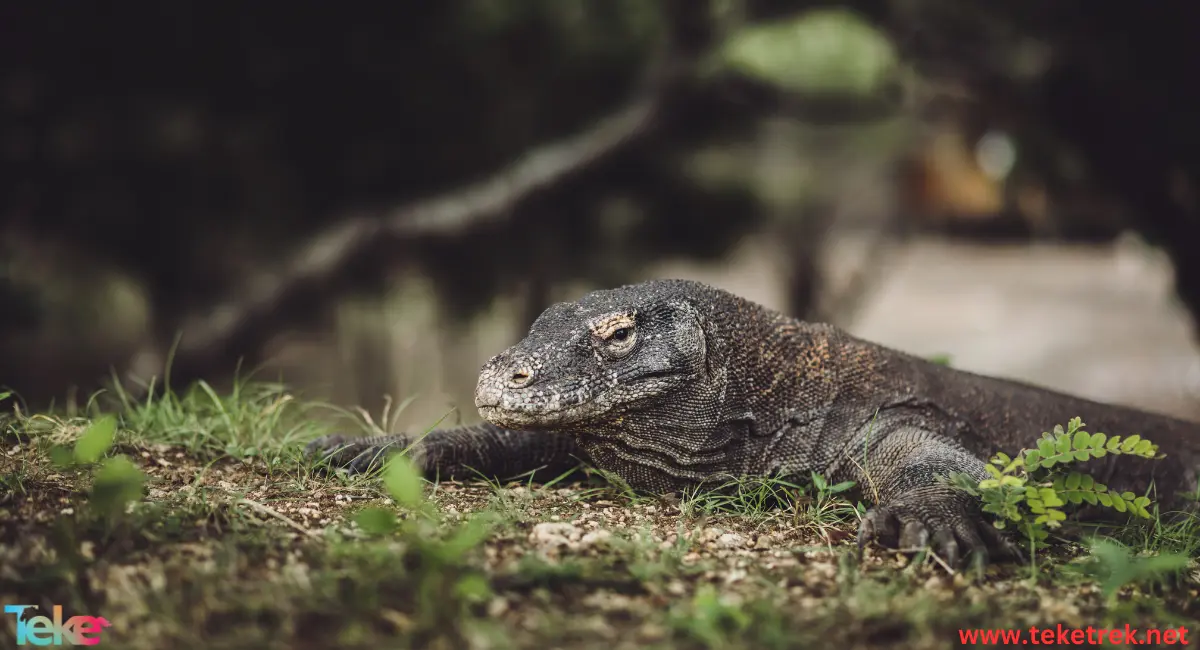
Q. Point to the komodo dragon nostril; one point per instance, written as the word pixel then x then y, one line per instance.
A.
pixel 520 378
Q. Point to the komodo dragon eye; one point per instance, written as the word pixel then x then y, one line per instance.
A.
pixel 616 336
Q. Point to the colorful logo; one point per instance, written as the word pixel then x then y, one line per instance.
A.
pixel 43 630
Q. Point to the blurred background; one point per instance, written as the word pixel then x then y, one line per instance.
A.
pixel 368 200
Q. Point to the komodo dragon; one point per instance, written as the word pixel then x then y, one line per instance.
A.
pixel 669 383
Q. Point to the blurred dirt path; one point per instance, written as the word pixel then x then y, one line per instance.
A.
pixel 1098 321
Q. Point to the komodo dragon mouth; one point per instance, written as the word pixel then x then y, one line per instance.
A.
pixel 553 408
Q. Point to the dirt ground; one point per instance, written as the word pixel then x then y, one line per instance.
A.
pixel 254 551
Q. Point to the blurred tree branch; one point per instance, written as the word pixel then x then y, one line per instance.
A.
pixel 239 324
pixel 456 211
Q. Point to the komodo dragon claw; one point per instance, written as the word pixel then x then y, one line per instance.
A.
pixel 935 517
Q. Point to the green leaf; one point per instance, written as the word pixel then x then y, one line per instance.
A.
pixel 840 487
pixel 1046 447
pixel 1144 448
pixel 1082 440
pixel 403 481
pixel 96 439
pixel 1098 440
pixel 1113 444
pixel 825 50
pixel 1073 481
pixel 1050 497
pixel 992 469
pixel 467 537
pixel 473 588
pixel 116 483
pixel 1062 444
pixel 1086 482
pixel 1082 454
pixel 1032 456
pixel 1142 501
pixel 61 456
pixel 1090 497
pixel 375 520
pixel 1130 443
pixel 1058 431
pixel 1118 504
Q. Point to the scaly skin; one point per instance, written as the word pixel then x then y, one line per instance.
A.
pixel 670 383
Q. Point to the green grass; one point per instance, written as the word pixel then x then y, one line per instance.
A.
pixel 192 520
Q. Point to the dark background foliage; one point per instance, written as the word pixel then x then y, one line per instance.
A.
pixel 207 175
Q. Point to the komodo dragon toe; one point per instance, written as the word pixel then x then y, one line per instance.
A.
pixel 938 518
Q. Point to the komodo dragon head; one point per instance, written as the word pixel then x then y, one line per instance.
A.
pixel 611 355
pixel 667 378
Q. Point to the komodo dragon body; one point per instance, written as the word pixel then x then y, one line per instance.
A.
pixel 671 383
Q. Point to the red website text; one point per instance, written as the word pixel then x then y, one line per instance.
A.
pixel 1089 635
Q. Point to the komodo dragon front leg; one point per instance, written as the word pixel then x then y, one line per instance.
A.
pixel 479 451
pixel 899 467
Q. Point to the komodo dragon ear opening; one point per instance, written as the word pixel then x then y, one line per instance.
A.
pixel 705 339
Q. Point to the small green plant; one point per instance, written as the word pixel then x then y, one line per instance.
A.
pixel 715 619
pixel 1114 566
pixel 762 498
pixel 942 359
pixel 1031 489
pixel 828 507
pixel 116 480
pixel 710 619
pixel 437 553
pixel 254 422
pixel 404 484
pixel 743 496
pixel 825 491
